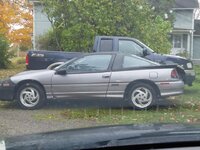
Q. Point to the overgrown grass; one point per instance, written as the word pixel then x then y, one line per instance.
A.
pixel 186 108
pixel 127 116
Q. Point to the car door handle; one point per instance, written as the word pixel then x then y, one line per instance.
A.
pixel 106 76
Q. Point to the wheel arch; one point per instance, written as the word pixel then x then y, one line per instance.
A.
pixel 26 82
pixel 144 81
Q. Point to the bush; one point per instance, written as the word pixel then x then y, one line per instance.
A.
pixel 47 41
pixel 20 60
pixel 78 38
pixel 24 48
pixel 4 56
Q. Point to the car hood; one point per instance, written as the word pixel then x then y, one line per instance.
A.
pixel 108 136
pixel 42 76
pixel 175 56
pixel 30 72
pixel 169 59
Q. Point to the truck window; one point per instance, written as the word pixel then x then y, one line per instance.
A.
pixel 106 45
pixel 130 47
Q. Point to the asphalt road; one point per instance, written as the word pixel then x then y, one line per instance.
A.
pixel 14 121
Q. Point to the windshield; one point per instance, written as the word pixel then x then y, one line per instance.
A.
pixel 147 47
pixel 65 64
pixel 119 81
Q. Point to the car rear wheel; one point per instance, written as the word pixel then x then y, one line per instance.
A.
pixel 142 96
pixel 30 96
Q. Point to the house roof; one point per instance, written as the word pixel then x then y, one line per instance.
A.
pixel 197 27
pixel 33 1
pixel 186 4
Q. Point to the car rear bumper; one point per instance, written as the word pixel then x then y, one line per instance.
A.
pixel 189 77
pixel 7 91
pixel 171 88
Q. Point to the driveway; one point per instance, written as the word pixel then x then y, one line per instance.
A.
pixel 14 121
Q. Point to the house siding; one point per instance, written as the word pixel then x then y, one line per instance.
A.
pixel 184 26
pixel 41 23
pixel 184 19
pixel 196 51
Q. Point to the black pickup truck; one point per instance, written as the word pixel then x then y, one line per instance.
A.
pixel 42 59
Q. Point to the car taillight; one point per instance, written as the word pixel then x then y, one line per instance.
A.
pixel 174 74
pixel 27 59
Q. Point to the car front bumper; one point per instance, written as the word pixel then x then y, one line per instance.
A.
pixel 189 77
pixel 7 89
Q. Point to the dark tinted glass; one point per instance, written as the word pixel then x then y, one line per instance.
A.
pixel 106 45
pixel 130 62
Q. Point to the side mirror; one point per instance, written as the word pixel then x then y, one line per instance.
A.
pixel 145 52
pixel 61 72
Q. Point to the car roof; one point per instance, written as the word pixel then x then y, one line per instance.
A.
pixel 122 54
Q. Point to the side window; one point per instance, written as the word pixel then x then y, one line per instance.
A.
pixel 130 47
pixel 129 62
pixel 106 45
pixel 92 63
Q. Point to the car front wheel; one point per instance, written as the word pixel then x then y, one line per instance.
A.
pixel 142 96
pixel 30 96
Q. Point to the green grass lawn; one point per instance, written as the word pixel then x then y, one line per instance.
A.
pixel 186 108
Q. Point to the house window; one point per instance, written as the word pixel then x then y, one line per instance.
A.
pixel 177 41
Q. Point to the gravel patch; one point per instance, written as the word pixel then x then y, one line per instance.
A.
pixel 14 121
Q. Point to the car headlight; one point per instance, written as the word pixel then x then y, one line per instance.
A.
pixel 189 65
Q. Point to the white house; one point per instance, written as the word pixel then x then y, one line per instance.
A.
pixel 196 49
pixel 183 31
pixel 41 23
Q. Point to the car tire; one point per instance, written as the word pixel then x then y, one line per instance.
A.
pixel 142 96
pixel 31 96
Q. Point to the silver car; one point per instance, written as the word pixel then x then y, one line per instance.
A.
pixel 93 76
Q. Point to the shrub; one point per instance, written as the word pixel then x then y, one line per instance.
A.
pixel 4 56
pixel 20 60
pixel 78 38
pixel 47 41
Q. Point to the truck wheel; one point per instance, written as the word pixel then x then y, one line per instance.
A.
pixel 142 96
pixel 30 96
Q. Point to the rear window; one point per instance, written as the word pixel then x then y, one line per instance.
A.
pixel 130 62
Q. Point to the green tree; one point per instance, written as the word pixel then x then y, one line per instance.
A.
pixel 47 41
pixel 79 21
pixel 163 8
pixel 3 52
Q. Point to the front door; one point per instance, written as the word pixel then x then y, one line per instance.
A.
pixel 86 77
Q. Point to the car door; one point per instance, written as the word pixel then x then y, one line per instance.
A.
pixel 86 77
